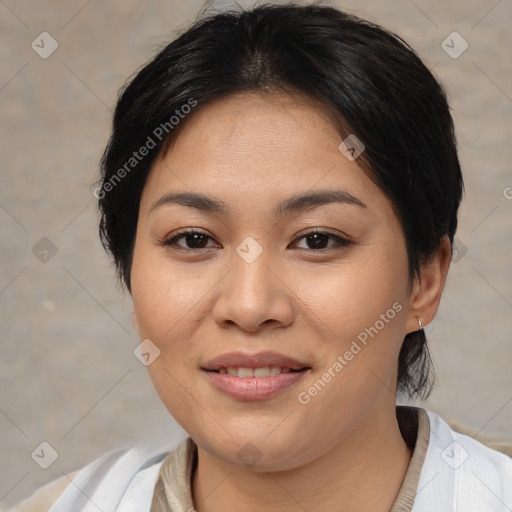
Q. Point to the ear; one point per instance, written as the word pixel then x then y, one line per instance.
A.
pixel 428 287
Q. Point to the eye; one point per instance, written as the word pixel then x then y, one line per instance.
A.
pixel 197 239
pixel 316 240
pixel 194 239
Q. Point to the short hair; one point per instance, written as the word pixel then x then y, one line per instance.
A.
pixel 369 78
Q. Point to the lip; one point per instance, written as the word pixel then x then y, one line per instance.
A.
pixel 257 360
pixel 254 388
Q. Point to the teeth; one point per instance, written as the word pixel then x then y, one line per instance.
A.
pixel 245 372
pixel 275 370
pixel 264 371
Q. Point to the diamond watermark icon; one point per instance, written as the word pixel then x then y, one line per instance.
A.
pixel 351 147
pixel 44 45
pixel 45 455
pixel 454 45
pixel 146 352
pixel 249 455
pixel 459 250
pixel 249 250
pixel 454 455
pixel 44 250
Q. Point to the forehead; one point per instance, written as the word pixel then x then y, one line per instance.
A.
pixel 252 148
pixel 240 122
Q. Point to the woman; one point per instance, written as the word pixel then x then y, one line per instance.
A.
pixel 280 196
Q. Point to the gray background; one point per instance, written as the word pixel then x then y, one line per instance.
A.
pixel 68 374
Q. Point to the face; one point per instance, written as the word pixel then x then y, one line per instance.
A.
pixel 296 261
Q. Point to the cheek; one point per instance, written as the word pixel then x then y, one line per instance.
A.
pixel 353 296
pixel 163 293
pixel 363 305
pixel 160 300
pixel 364 308
pixel 163 300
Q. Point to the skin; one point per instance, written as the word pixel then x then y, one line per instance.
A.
pixel 308 303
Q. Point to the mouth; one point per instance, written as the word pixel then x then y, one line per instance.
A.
pixel 263 363
pixel 262 371
pixel 254 377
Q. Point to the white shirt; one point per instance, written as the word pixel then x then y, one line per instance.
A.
pixel 459 474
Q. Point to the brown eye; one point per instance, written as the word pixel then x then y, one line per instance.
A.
pixel 196 240
pixel 317 240
pixel 193 239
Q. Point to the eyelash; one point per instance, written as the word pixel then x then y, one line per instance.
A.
pixel 171 241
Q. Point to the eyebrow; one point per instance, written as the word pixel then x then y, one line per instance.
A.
pixel 295 204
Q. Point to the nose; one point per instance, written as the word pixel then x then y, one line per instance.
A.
pixel 254 295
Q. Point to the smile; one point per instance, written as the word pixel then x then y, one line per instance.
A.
pixel 250 384
pixel 263 371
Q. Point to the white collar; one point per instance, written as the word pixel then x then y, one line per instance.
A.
pixel 462 475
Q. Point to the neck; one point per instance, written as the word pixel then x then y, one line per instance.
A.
pixel 364 471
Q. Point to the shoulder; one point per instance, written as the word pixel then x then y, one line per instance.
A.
pixel 42 498
pixel 500 445
pixel 120 478
pixel 463 473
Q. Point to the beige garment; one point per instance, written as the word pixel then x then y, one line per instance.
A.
pixel 173 490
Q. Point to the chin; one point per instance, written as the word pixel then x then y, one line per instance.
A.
pixel 254 451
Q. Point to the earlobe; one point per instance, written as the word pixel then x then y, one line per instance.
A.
pixel 428 287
